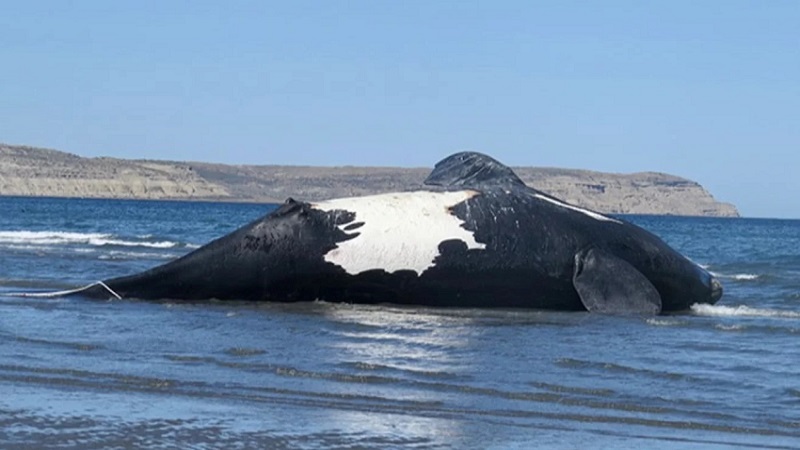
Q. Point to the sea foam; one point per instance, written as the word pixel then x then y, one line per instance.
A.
pixel 741 311
pixel 50 238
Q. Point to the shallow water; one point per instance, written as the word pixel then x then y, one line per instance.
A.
pixel 124 374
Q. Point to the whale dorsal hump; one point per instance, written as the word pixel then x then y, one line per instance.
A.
pixel 471 169
pixel 608 284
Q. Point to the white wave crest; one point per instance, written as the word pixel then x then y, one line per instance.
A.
pixel 737 276
pixel 664 322
pixel 118 255
pixel 745 276
pixel 121 243
pixel 742 311
pixel 738 327
pixel 49 238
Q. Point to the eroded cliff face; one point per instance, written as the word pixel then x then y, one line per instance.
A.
pixel 28 171
pixel 638 193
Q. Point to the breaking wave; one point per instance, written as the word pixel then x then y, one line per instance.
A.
pixel 736 276
pixel 745 277
pixel 126 256
pixel 660 322
pixel 30 239
pixel 739 276
pixel 742 311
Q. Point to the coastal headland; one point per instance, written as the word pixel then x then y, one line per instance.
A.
pixel 30 171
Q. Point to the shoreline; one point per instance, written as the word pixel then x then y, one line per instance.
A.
pixel 33 172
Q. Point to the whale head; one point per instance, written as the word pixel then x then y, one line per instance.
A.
pixel 684 283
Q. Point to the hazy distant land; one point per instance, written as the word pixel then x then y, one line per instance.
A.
pixel 28 171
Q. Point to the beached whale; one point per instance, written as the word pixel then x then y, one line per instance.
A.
pixel 478 237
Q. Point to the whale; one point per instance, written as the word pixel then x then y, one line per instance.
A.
pixel 473 236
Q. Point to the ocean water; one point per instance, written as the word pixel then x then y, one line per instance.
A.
pixel 76 373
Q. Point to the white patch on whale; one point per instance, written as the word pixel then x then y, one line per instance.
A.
pixel 401 231
pixel 591 214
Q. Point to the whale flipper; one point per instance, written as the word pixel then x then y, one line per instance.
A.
pixel 471 169
pixel 608 284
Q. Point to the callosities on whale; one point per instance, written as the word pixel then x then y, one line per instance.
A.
pixel 477 237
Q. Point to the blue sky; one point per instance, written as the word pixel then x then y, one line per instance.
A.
pixel 707 90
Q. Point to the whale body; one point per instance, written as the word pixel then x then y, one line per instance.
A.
pixel 475 236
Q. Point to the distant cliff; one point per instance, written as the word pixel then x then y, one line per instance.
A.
pixel 28 171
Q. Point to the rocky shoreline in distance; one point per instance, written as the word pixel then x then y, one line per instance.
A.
pixel 29 171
